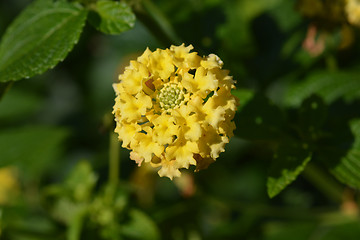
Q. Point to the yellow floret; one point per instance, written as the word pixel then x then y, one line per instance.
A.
pixel 175 109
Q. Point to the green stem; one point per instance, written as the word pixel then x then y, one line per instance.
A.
pixel 331 62
pixel 328 186
pixel 157 23
pixel 114 159
pixel 76 223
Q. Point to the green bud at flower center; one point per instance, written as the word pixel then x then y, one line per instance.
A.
pixel 170 96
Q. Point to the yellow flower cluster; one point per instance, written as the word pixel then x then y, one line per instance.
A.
pixel 352 9
pixel 174 109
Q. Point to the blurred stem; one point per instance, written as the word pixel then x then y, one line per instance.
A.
pixel 331 62
pixel 76 225
pixel 4 87
pixel 328 186
pixel 114 159
pixel 156 22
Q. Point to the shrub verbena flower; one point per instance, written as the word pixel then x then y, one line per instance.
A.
pixel 174 109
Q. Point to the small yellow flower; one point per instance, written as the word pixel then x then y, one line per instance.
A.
pixel 352 9
pixel 9 185
pixel 174 109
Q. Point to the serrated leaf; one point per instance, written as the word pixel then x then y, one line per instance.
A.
pixel 112 17
pixel 260 119
pixel 348 169
pixel 33 148
pixel 329 85
pixel 39 38
pixel 289 161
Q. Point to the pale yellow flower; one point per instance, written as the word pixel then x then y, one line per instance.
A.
pixel 9 185
pixel 174 109
pixel 352 9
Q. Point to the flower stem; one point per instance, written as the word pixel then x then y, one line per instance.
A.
pixel 329 187
pixel 331 62
pixel 114 159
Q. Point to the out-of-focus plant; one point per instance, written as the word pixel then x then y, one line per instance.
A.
pixel 105 213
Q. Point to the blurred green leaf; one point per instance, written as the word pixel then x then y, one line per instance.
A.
pixel 74 194
pixel 66 210
pixel 259 119
pixel 17 104
pixel 243 95
pixel 312 113
pixel 285 231
pixel 24 225
pixel 348 169
pixel 140 227
pixel 340 227
pixel 70 213
pixel 77 186
pixel 329 85
pixel 108 204
pixel 72 199
pixel 241 15
pixel 39 38
pixel 112 17
pixel 33 148
pixel 289 161
pixel 349 230
pixel 81 181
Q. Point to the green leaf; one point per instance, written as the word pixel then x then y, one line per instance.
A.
pixel 289 161
pixel 33 148
pixel 140 227
pixel 39 38
pixel 112 17
pixel 348 169
pixel 329 85
pixel 312 113
pixel 260 119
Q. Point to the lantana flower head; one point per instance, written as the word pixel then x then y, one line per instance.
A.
pixel 174 109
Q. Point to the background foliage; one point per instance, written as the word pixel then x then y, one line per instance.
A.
pixel 292 171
